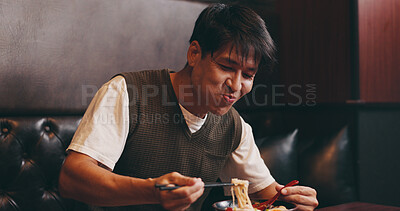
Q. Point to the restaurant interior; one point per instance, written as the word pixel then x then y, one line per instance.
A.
pixel 327 114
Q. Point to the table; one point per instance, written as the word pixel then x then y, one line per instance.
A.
pixel 360 206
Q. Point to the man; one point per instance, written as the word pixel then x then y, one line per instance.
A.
pixel 157 127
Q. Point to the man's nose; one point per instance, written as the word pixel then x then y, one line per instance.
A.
pixel 234 83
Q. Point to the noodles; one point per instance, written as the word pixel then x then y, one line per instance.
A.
pixel 240 190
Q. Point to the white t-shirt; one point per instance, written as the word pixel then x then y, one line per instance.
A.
pixel 104 129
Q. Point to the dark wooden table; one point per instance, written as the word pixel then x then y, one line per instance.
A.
pixel 359 206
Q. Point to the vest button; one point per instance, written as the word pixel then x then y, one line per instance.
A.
pixel 47 128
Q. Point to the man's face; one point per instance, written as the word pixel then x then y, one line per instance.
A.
pixel 222 79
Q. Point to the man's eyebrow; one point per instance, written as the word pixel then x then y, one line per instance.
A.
pixel 228 60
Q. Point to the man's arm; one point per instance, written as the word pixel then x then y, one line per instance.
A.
pixel 81 178
pixel 305 198
pixel 265 193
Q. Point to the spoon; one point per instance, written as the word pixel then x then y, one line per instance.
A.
pixel 273 199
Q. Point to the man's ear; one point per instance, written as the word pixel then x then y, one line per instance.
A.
pixel 193 53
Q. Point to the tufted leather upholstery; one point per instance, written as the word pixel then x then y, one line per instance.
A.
pixel 313 147
pixel 32 150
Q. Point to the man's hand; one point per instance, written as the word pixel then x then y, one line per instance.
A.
pixel 305 198
pixel 181 198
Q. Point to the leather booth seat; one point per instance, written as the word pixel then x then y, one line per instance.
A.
pixel 317 150
pixel 314 146
pixel 32 150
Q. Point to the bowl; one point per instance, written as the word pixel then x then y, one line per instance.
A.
pixel 222 205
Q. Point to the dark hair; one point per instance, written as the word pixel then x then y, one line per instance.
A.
pixel 220 24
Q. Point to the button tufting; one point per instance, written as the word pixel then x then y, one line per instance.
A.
pixel 4 130
pixel 47 128
pixel 32 160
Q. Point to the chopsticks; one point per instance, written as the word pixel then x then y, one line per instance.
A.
pixel 206 185
pixel 267 204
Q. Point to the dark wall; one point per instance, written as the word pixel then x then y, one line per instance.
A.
pixel 55 54
pixel 315 48
pixel 379 157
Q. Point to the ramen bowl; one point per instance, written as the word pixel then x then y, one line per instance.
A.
pixel 222 205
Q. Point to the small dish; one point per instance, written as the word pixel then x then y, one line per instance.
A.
pixel 222 205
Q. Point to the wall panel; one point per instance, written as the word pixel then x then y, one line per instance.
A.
pixel 379 50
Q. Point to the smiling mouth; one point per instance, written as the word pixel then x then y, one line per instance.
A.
pixel 229 98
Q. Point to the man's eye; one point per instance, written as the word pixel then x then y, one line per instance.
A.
pixel 225 67
pixel 248 76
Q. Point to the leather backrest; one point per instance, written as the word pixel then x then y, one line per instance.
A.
pixel 316 147
pixel 32 150
pixel 329 165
